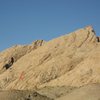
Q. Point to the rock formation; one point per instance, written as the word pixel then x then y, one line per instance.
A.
pixel 72 60
pixel 18 51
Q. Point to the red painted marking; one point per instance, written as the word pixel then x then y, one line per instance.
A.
pixel 21 76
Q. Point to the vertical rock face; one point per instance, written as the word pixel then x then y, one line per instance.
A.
pixel 70 60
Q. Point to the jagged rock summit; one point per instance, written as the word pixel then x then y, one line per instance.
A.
pixel 72 60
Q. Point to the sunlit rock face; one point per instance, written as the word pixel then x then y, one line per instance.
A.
pixel 72 60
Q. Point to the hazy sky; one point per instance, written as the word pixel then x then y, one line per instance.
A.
pixel 23 21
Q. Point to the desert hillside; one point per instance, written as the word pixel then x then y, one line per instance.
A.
pixel 65 68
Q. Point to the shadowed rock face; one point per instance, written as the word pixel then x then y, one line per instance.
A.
pixel 98 39
pixel 72 60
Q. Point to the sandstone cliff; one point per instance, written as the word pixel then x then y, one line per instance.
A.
pixel 72 60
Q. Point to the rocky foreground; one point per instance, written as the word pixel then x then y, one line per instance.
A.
pixel 65 68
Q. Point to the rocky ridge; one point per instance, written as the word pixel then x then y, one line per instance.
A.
pixel 71 60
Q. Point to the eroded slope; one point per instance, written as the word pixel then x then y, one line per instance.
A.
pixel 66 60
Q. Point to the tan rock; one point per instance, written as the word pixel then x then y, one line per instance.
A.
pixel 70 60
pixel 18 51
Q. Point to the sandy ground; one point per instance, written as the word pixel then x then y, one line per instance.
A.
pixel 87 92
pixel 21 95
